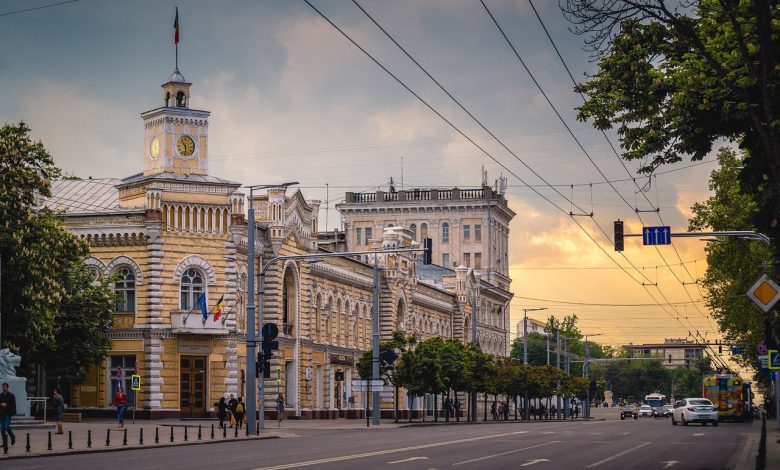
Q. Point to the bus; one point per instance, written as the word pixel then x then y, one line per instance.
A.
pixel 731 395
pixel 655 400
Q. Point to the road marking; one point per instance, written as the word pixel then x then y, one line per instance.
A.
pixel 549 432
pixel 408 460
pixel 699 434
pixel 596 464
pixel 670 463
pixel 595 433
pixel 506 453
pixel 531 462
pixel 384 452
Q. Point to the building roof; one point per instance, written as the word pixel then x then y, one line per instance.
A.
pixel 178 178
pixel 77 196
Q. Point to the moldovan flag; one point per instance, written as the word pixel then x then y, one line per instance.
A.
pixel 218 308
pixel 176 27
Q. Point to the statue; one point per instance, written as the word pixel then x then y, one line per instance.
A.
pixel 8 363
pixel 18 385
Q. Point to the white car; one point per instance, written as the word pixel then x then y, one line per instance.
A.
pixel 645 410
pixel 694 410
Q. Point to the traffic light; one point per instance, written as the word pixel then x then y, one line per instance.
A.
pixel 428 253
pixel 618 235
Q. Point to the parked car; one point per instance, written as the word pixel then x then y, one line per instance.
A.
pixel 628 412
pixel 646 410
pixel 694 410
pixel 664 411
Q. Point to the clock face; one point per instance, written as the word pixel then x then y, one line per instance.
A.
pixel 154 147
pixel 185 145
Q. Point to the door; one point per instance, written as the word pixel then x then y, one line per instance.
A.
pixel 192 386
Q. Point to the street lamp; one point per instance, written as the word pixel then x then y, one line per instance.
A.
pixel 251 341
pixel 586 374
pixel 526 411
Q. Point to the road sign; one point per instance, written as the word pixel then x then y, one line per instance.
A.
pixel 270 331
pixel 763 362
pixel 762 348
pixel 765 293
pixel 135 383
pixel 367 385
pixel 657 235
pixel 774 359
pixel 736 350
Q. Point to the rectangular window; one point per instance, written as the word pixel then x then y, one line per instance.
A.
pixel 358 234
pixel 477 260
pixel 477 233
pixel 445 260
pixel 467 260
pixel 445 233
pixel 121 370
pixel 466 232
pixel 368 235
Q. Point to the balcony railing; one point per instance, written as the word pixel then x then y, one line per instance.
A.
pixel 192 322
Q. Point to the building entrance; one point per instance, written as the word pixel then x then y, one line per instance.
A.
pixel 192 387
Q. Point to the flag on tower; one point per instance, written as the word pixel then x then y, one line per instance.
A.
pixel 218 308
pixel 176 27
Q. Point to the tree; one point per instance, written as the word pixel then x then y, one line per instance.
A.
pixel 674 81
pixel 455 369
pixel 732 265
pixel 537 349
pixel 483 374
pixel 53 314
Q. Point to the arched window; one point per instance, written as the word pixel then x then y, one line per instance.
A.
pixel 192 287
pixel 445 233
pixel 423 231
pixel 413 228
pixel 124 288
pixel 289 304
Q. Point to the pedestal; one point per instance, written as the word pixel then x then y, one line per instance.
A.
pixel 18 386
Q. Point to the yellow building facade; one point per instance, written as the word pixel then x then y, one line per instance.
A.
pixel 174 234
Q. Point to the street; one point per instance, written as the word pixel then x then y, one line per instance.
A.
pixel 608 443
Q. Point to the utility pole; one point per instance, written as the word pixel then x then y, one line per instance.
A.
pixel 474 294
pixel 376 412
pixel 526 410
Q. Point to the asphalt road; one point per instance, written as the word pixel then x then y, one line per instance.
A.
pixel 642 444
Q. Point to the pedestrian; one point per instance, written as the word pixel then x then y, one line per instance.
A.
pixel 59 408
pixel 456 406
pixel 231 406
pixel 239 413
pixel 493 410
pixel 7 411
pixel 120 401
pixel 576 411
pixel 221 407
pixel 532 412
pixel 280 407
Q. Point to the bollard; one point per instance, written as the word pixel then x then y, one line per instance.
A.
pixel 70 439
pixel 171 433
pixel 258 429
pixel 185 433
pixel 199 432
pixel 236 433
pixel 124 438
pixel 212 431
pixel 141 437
pixel 156 435
pixel 89 438
pixel 224 430
pixel 49 446
pixel 27 447
pixel 108 437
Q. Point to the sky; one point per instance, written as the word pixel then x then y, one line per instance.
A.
pixel 291 99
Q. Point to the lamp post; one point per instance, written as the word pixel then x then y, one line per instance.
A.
pixel 251 341
pixel 526 411
pixel 586 374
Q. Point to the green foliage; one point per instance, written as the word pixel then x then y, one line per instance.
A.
pixel 52 314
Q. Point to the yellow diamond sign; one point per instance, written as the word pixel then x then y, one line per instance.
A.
pixel 765 293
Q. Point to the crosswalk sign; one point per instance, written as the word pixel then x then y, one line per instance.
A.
pixel 774 359
pixel 136 382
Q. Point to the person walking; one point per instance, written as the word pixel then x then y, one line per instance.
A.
pixel 59 408
pixel 239 413
pixel 493 410
pixel 120 401
pixel 231 406
pixel 7 411
pixel 221 407
pixel 280 408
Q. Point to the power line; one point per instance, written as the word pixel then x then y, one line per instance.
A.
pixel 38 8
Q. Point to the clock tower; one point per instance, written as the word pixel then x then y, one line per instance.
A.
pixel 176 136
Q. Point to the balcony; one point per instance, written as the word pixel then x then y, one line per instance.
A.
pixel 183 321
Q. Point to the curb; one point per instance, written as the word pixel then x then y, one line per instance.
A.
pixel 455 423
pixel 133 447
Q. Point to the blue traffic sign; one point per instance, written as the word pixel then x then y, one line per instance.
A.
pixel 657 235
pixel 774 359
pixel 735 350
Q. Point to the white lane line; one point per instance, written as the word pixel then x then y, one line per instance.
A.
pixel 384 452
pixel 549 432
pixel 506 453
pixel 408 460
pixel 596 464
pixel 699 434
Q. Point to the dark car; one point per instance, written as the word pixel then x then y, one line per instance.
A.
pixel 664 411
pixel 628 412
